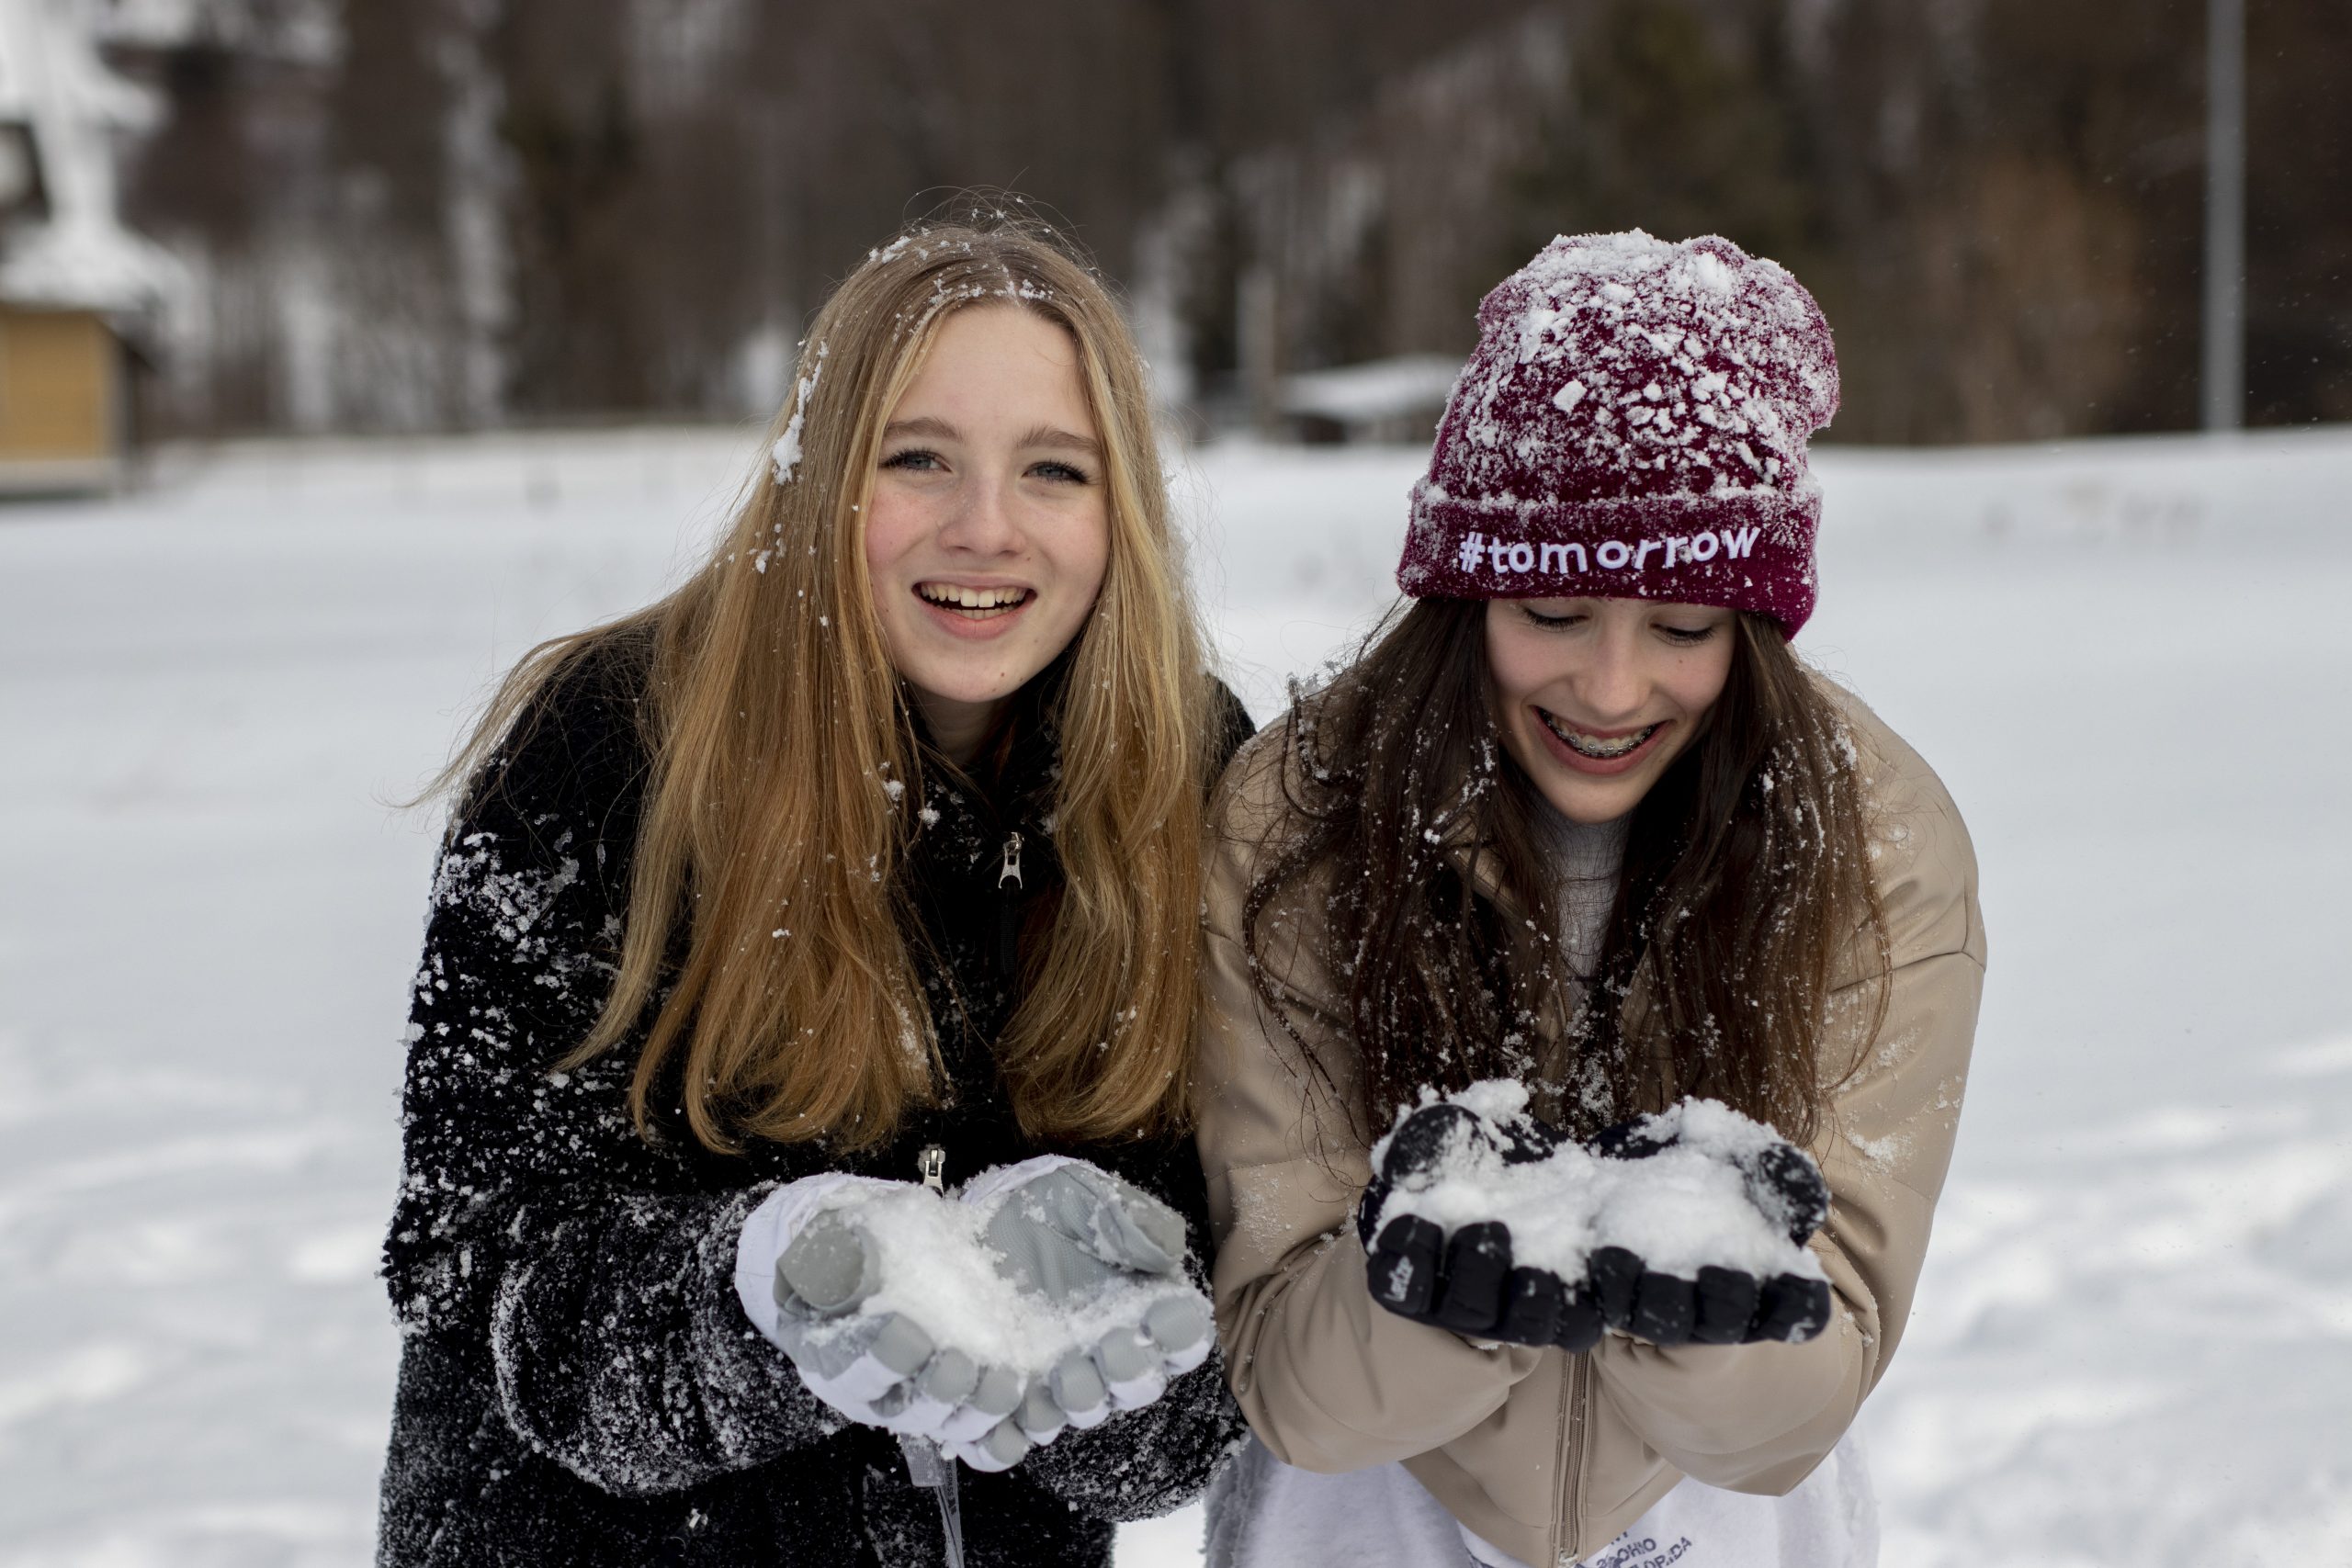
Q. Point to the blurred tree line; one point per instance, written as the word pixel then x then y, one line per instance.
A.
pixel 433 213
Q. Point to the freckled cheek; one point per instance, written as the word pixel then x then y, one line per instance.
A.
pixel 895 524
pixel 1088 550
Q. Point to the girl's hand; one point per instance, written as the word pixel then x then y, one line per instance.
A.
pixel 1785 1188
pixel 1703 1245
pixel 810 1264
pixel 1467 1282
pixel 1085 1247
pixel 1044 1296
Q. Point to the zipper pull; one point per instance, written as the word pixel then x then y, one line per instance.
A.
pixel 1011 871
pixel 927 1467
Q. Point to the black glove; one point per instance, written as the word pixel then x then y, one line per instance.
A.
pixel 1721 1306
pixel 1467 1283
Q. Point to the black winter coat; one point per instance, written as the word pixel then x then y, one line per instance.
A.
pixel 577 1383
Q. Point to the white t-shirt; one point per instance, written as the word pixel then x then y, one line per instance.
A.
pixel 1265 1514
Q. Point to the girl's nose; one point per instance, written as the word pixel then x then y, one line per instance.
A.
pixel 980 522
pixel 1612 685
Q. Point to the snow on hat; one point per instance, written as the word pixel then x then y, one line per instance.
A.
pixel 1632 426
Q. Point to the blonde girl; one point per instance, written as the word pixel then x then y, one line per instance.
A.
pixel 809 967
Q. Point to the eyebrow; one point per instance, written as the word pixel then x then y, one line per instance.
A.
pixel 1038 435
pixel 1049 436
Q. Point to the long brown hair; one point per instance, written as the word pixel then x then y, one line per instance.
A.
pixel 1745 881
pixel 787 775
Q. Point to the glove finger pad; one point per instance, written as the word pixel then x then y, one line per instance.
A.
pixel 828 1267
pixel 1787 1185
pixel 1794 1309
pixel 1041 1420
pixel 1664 1309
pixel 1402 1267
pixel 1177 1323
pixel 900 1345
pixel 1614 1273
pixel 951 1378
pixel 1477 1262
pixel 1132 1368
pixel 1077 1388
pixel 1531 1302
pixel 1001 1449
pixel 1726 1302
pixel 1428 1138
pixel 1580 1323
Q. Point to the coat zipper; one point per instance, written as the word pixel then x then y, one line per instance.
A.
pixel 1572 1466
pixel 926 1466
pixel 1008 930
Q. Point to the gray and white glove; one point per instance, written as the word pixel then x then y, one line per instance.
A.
pixel 805 1263
pixel 1064 1235
pixel 1066 1231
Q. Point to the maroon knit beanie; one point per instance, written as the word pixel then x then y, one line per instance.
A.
pixel 1632 426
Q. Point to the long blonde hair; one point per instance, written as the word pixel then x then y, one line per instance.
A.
pixel 785 770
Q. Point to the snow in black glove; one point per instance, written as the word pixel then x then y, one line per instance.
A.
pixel 1467 1282
pixel 1719 1305
pixel 1685 1228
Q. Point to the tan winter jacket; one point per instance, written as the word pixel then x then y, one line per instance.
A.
pixel 1549 1455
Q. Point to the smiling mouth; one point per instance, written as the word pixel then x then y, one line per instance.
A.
pixel 1594 746
pixel 974 603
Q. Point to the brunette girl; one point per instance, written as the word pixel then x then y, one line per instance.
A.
pixel 1579 827
pixel 837 887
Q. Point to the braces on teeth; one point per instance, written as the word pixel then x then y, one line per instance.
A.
pixel 1597 749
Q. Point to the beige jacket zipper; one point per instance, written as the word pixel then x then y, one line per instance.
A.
pixel 1571 1521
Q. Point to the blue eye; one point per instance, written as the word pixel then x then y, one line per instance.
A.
pixel 918 458
pixel 1062 473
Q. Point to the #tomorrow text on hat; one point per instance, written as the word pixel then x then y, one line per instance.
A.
pixel 1632 426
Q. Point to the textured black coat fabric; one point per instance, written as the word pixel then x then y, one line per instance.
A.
pixel 577 1383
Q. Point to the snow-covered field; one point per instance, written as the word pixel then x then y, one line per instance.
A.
pixel 2129 660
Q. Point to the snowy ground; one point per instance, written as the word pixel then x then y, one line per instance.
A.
pixel 2134 1346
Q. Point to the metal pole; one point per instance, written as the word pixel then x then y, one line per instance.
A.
pixel 2224 372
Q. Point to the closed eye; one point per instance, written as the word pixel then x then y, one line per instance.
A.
pixel 1539 618
pixel 1686 637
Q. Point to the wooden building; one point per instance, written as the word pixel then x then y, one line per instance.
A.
pixel 80 297
pixel 64 400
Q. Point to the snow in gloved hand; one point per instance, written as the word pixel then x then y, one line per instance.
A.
pixel 1071 1238
pixel 1687 1226
pixel 1044 1296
